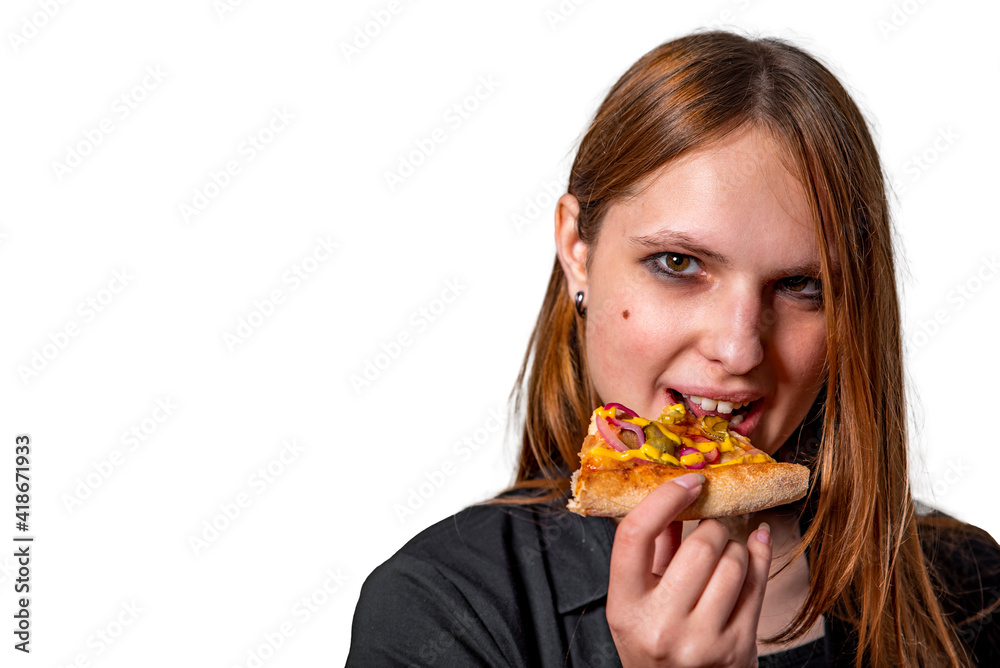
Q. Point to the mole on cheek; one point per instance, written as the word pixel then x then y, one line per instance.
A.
pixel 625 314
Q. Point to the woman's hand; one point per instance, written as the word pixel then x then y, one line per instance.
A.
pixel 690 604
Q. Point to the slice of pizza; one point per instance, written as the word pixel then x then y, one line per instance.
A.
pixel 624 457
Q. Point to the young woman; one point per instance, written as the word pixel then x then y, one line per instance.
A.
pixel 725 238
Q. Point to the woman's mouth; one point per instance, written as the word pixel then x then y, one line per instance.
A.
pixel 743 414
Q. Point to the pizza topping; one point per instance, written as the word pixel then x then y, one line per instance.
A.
pixel 678 438
pixel 692 458
pixel 673 414
pixel 659 430
pixel 661 445
pixel 714 427
pixel 618 407
pixel 625 455
pixel 748 459
pixel 609 436
pixel 662 457
pixel 707 448
pixel 631 434
pixel 699 443
pixel 646 454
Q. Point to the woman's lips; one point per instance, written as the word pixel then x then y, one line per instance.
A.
pixel 752 419
pixel 745 428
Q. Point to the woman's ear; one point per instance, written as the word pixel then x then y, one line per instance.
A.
pixel 571 249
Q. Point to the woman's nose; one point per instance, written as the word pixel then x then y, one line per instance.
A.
pixel 735 331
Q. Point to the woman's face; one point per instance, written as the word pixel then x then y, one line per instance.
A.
pixel 704 284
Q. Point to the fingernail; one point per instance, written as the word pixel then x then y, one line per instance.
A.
pixel 764 533
pixel 690 480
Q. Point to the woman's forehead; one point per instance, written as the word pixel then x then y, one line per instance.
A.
pixel 730 196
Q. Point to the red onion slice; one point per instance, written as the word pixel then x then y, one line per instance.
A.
pixel 691 451
pixel 628 411
pixel 609 436
pixel 634 428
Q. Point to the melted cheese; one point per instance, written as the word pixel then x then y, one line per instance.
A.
pixel 746 459
pixel 644 453
pixel 667 426
pixel 605 412
pixel 692 459
pixel 651 452
pixel 667 434
pixel 601 451
pixel 734 460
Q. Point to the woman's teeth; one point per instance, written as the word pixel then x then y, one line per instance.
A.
pixel 723 407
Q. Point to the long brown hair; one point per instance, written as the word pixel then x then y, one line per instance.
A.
pixel 866 563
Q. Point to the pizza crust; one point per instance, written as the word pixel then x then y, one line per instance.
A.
pixel 733 489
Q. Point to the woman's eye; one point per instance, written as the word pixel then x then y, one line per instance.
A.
pixel 803 285
pixel 676 263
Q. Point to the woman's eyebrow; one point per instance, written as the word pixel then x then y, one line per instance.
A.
pixel 662 238
pixel 810 269
pixel 658 240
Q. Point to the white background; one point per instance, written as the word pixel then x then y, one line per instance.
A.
pixel 334 508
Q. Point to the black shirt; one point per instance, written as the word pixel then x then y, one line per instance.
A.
pixel 501 585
